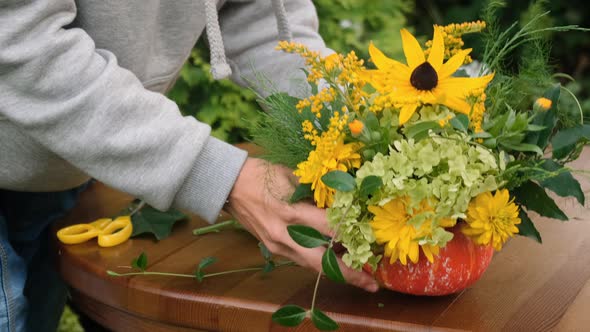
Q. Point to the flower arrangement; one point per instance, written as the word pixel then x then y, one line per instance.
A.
pixel 409 155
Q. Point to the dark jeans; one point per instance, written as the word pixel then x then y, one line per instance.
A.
pixel 32 294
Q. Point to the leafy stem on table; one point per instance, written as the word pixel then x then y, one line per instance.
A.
pixel 141 263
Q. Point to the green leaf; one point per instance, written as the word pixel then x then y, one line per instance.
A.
pixel 306 236
pixel 532 127
pixel 527 228
pixel 140 262
pixel 302 192
pixel 339 180
pixel 322 321
pixel 496 125
pixel 289 315
pixel 264 251
pixel 534 198
pixel 460 122
pixel 483 134
pixel 150 220
pixel 202 265
pixel 268 267
pixel 370 185
pixel 565 140
pixel 547 119
pixel 523 147
pixel 563 184
pixel 490 143
pixel 553 94
pixel 371 121
pixel 330 266
pixel 420 130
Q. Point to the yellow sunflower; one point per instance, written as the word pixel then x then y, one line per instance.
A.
pixel 400 239
pixel 422 81
pixel 492 219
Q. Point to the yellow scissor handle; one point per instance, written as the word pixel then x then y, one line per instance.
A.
pixel 101 223
pixel 77 233
pixel 116 232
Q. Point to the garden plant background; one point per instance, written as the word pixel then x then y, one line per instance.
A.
pixel 350 25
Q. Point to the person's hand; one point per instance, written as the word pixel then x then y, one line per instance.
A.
pixel 259 201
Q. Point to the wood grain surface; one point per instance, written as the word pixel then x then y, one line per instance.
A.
pixel 528 286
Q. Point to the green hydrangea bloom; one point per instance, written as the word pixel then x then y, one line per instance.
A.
pixel 446 171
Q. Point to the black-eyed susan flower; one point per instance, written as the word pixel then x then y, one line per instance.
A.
pixel 422 81
pixel 400 238
pixel 492 219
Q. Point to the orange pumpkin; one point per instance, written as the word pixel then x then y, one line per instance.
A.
pixel 459 264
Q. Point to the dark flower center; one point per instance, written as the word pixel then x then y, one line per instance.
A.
pixel 424 77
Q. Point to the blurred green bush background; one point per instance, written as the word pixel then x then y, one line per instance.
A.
pixel 345 25
pixel 349 25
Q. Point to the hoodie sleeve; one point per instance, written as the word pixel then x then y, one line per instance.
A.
pixel 77 102
pixel 249 30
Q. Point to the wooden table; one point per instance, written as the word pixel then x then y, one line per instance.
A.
pixel 528 287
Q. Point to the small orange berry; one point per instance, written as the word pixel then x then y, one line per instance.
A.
pixel 356 127
pixel 543 104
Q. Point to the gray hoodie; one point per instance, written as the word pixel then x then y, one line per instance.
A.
pixel 81 86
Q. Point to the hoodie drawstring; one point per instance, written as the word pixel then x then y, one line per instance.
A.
pixel 219 67
pixel 282 20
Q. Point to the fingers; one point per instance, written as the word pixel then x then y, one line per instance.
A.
pixel 312 216
pixel 282 244
pixel 312 258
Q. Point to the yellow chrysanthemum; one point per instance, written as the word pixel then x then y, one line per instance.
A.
pixel 422 81
pixel 329 155
pixel 492 219
pixel 400 239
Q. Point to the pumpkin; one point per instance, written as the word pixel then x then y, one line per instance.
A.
pixel 459 264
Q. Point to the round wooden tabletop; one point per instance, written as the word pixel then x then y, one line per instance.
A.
pixel 528 286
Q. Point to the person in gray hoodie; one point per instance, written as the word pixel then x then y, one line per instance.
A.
pixel 81 96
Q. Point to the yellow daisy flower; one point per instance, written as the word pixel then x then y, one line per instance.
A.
pixel 422 81
pixel 390 226
pixel 492 219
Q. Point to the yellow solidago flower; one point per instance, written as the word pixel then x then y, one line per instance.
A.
pixel 330 154
pixel 400 239
pixel 422 81
pixel 478 100
pixel 332 61
pixel 453 40
pixel 313 60
pixel 492 219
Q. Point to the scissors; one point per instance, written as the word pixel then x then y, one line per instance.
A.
pixel 109 232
